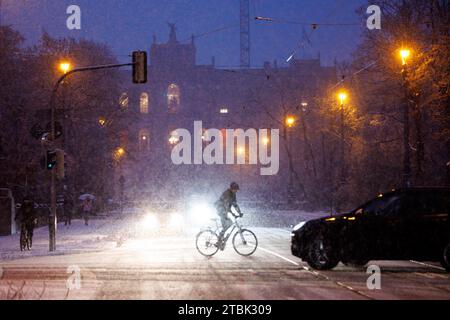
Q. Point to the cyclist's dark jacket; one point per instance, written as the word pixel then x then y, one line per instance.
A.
pixel 226 202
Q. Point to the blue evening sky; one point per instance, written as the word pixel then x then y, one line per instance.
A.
pixel 126 25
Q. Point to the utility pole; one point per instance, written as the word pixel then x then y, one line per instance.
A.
pixel 245 33
pixel 342 98
pixel 406 179
pixel 342 144
pixel 406 153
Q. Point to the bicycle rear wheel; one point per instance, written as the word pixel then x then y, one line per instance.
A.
pixel 207 243
pixel 245 242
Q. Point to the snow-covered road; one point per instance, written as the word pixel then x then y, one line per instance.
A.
pixel 89 265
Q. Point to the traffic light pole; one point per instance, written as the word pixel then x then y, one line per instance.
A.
pixel 52 219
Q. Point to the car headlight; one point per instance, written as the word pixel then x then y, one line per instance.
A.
pixel 201 213
pixel 299 226
pixel 150 221
pixel 176 221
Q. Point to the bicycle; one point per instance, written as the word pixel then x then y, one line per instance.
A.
pixel 245 241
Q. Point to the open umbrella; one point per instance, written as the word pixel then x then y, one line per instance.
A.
pixel 86 196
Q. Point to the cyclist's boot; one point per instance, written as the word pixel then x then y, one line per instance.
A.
pixel 222 244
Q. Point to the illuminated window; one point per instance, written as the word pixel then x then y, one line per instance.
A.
pixel 144 140
pixel 173 96
pixel 124 101
pixel 144 103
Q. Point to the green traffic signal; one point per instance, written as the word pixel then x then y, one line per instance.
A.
pixel 51 159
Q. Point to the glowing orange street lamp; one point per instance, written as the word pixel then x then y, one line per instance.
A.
pixel 120 152
pixel 102 121
pixel 405 54
pixel 65 67
pixel 290 121
pixel 342 97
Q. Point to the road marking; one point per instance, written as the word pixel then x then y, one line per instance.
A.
pixel 341 284
pixel 427 265
pixel 279 256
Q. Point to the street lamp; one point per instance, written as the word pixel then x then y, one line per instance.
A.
pixel 342 97
pixel 120 151
pixel 102 121
pixel 405 55
pixel 65 67
pixel 290 121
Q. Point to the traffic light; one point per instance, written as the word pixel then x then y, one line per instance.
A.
pixel 51 159
pixel 139 67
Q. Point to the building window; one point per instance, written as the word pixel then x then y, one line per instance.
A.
pixel 144 103
pixel 173 96
pixel 144 140
pixel 124 101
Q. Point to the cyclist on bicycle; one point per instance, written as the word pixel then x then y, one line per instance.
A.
pixel 224 205
pixel 27 219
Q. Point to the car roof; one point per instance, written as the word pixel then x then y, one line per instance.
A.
pixel 423 189
pixel 445 190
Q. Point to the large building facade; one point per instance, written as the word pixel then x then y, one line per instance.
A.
pixel 180 92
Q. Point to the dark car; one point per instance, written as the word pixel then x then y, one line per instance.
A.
pixel 408 224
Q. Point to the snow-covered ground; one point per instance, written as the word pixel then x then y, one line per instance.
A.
pixel 105 233
pixel 76 238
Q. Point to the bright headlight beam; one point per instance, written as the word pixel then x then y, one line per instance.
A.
pixel 200 213
pixel 299 226
pixel 176 221
pixel 150 221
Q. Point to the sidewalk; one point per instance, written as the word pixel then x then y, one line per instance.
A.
pixel 77 238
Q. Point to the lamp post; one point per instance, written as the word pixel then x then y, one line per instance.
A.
pixel 406 178
pixel 52 224
pixel 290 122
pixel 342 95
pixel 139 76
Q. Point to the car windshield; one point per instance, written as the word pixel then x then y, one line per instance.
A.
pixel 386 205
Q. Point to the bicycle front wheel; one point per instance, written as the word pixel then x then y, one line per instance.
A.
pixel 245 242
pixel 207 243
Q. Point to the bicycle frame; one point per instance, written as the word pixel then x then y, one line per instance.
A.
pixel 233 227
